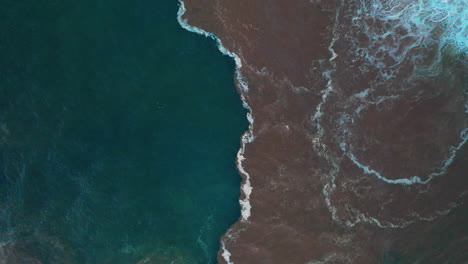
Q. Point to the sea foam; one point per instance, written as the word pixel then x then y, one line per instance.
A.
pixel 242 82
pixel 226 254
pixel 393 29
pixel 396 28
pixel 248 135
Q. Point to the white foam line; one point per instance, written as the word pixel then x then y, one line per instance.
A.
pixel 320 148
pixel 328 74
pixel 226 254
pixel 417 217
pixel 247 137
pixel 246 187
pixel 184 24
pixel 414 179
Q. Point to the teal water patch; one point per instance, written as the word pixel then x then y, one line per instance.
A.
pixel 119 132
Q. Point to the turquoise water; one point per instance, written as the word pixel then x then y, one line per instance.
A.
pixel 118 135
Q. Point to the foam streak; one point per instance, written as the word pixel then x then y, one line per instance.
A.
pixel 247 137
pixel 414 179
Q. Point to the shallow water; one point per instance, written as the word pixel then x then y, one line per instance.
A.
pixel 118 131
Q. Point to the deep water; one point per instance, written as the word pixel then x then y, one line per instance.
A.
pixel 118 135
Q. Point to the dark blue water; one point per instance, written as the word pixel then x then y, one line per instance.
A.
pixel 118 135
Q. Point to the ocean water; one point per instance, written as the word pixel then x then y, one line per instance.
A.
pixel 118 135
